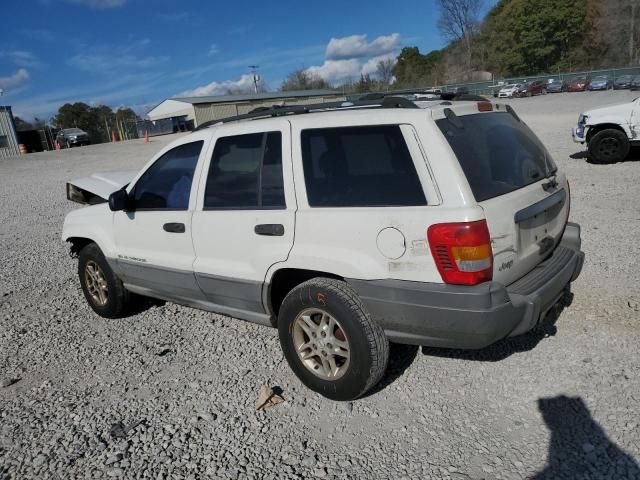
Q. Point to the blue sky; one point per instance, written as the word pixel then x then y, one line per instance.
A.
pixel 138 52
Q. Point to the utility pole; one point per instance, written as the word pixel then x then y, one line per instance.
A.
pixel 632 31
pixel 255 77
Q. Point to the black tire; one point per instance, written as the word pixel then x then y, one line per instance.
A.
pixel 609 146
pixel 367 344
pixel 118 299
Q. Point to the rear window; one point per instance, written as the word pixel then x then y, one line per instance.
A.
pixel 359 167
pixel 497 152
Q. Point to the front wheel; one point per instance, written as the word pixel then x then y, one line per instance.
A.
pixel 330 341
pixel 609 146
pixel 103 290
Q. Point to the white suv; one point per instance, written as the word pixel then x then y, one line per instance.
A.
pixel 344 226
pixel 609 132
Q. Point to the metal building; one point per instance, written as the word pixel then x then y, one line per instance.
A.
pixel 220 106
pixel 8 137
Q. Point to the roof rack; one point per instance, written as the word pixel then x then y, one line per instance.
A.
pixel 284 110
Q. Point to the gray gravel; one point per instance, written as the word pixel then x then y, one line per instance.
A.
pixel 170 392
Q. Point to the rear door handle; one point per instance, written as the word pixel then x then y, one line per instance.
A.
pixel 269 229
pixel 174 227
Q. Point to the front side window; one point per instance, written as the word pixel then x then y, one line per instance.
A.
pixel 246 173
pixel 359 167
pixel 166 184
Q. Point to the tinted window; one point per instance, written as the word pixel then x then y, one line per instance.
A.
pixel 167 183
pixel 246 173
pixel 359 167
pixel 498 153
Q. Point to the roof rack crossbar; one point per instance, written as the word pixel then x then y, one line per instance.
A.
pixel 280 111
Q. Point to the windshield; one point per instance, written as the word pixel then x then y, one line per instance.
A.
pixel 497 152
pixel 600 79
pixel 72 130
pixel 624 78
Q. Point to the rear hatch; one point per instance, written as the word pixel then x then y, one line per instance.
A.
pixel 514 180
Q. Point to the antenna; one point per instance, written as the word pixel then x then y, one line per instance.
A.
pixel 254 76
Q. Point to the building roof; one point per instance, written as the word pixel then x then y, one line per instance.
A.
pixel 255 96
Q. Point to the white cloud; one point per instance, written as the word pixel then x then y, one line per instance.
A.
pixel 115 59
pixel 105 63
pixel 336 69
pixel 16 80
pixel 22 58
pixel 39 34
pixel 244 83
pixel 356 46
pixel 99 3
pixel 371 66
pixel 352 56
pixel 213 49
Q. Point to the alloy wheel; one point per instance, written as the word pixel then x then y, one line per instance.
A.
pixel 321 344
pixel 96 283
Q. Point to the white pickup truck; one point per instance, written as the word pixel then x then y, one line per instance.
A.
pixel 609 132
pixel 347 226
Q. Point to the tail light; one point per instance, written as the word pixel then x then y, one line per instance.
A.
pixel 462 252
pixel 485 106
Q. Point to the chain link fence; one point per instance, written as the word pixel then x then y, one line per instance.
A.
pixel 491 86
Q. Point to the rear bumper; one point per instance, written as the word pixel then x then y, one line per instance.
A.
pixel 456 316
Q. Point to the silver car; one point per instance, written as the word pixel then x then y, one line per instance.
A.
pixel 72 137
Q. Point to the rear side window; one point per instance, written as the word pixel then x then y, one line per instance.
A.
pixel 359 167
pixel 246 173
pixel 497 152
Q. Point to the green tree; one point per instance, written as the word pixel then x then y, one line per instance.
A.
pixel 22 125
pixel 415 69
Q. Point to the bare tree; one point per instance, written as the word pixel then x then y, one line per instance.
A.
pixel 304 80
pixel 458 22
pixel 386 69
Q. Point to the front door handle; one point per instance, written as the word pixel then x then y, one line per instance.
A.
pixel 174 227
pixel 269 229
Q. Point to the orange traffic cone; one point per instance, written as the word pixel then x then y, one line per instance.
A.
pixel 146 136
pixel 113 137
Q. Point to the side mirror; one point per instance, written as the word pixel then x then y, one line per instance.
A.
pixel 118 200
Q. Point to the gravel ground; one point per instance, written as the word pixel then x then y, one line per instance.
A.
pixel 170 392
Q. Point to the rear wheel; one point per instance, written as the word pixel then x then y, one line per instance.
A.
pixel 609 146
pixel 103 290
pixel 529 94
pixel 330 341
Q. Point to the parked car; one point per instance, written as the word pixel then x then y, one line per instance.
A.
pixel 72 137
pixel 508 91
pixel 623 82
pixel 601 82
pixel 578 84
pixel 537 87
pixel 609 132
pixel 635 83
pixel 556 86
pixel 282 221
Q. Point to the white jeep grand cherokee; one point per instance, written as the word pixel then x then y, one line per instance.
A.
pixel 345 226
